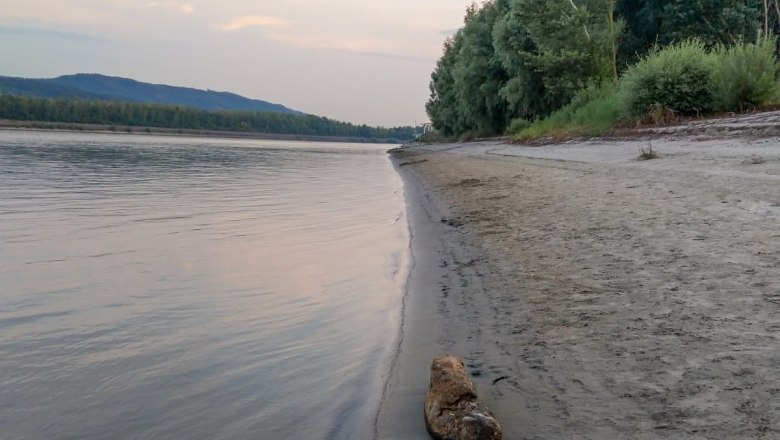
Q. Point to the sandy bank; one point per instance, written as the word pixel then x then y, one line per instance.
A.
pixel 594 296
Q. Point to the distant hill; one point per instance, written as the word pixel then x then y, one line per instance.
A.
pixel 101 87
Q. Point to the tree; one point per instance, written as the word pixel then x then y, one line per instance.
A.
pixel 442 107
pixel 713 21
pixel 650 22
pixel 478 75
pixel 167 116
pixel 556 47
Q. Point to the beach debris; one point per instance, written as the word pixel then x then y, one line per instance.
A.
pixel 755 160
pixel 495 381
pixel 452 411
pixel 468 183
pixel 412 162
pixel 454 222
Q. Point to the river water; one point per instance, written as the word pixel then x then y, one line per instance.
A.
pixel 165 287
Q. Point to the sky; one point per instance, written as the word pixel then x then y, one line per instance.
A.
pixel 362 61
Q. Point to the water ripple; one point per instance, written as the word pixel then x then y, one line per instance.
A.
pixel 203 289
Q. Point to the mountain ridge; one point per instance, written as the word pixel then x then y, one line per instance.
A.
pixel 92 86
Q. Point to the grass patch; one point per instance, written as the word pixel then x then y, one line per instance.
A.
pixel 517 126
pixel 648 153
pixel 593 112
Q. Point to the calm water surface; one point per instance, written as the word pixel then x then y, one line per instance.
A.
pixel 157 287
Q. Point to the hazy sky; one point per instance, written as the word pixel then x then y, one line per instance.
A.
pixel 363 61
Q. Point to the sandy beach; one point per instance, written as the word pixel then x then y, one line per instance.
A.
pixel 592 295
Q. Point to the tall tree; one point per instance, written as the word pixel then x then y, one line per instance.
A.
pixel 713 21
pixel 572 43
pixel 442 107
pixel 650 22
pixel 478 74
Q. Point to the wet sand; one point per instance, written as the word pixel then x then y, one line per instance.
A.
pixel 594 296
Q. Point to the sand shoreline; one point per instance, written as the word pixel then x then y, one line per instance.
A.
pixel 594 296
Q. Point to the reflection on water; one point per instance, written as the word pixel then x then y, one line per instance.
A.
pixel 187 288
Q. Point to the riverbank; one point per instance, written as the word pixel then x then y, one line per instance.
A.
pixel 593 295
pixel 6 124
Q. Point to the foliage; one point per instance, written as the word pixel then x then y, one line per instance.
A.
pixel 573 43
pixel 711 21
pixel 657 22
pixel 518 125
pixel 168 116
pixel 593 112
pixel 478 76
pixel 680 79
pixel 442 107
pixel 745 75
pixel 466 83
pixel 518 60
pixel 677 77
pixel 523 91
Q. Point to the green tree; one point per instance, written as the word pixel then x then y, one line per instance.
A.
pixel 650 22
pixel 524 90
pixel 442 107
pixel 712 21
pixel 478 75
pixel 167 116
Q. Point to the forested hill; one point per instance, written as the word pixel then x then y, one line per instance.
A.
pixel 116 114
pixel 100 87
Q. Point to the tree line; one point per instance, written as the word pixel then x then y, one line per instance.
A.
pixel 525 59
pixel 178 117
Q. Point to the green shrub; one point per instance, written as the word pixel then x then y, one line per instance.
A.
pixel 517 125
pixel 592 112
pixel 745 75
pixel 677 77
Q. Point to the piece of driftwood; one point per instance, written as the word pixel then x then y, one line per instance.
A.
pixel 452 411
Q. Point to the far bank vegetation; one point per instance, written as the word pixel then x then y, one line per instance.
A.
pixel 136 114
pixel 563 68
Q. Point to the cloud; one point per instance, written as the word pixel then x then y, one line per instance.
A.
pixel 253 21
pixel 362 46
pixel 331 42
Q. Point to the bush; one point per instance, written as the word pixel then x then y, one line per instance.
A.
pixel 592 112
pixel 517 125
pixel 745 75
pixel 677 77
pixel 677 80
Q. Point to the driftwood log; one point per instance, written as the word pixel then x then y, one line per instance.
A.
pixel 452 411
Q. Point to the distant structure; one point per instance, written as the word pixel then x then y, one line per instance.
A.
pixel 424 129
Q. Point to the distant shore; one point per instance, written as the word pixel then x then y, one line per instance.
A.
pixel 123 129
pixel 593 295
